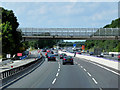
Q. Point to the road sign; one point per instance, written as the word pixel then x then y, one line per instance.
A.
pixel 8 56
pixel 83 47
pixel 19 54
pixel 74 45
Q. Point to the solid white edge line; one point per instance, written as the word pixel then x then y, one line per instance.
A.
pixel 105 68
pixel 95 81
pixel 89 74
pixel 54 81
pixel 57 74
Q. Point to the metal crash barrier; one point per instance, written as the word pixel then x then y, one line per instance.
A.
pixel 11 74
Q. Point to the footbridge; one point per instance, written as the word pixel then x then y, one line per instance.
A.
pixel 71 33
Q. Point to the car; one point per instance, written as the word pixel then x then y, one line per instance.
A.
pixel 101 55
pixel 67 59
pixel 91 53
pixel 48 50
pixel 44 50
pixel 62 55
pixel 55 53
pixel 46 54
pixel 118 56
pixel 52 52
pixel 51 57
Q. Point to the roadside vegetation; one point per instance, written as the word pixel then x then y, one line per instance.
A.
pixel 106 45
pixel 11 38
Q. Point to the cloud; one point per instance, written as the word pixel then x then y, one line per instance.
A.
pixel 59 0
pixel 64 14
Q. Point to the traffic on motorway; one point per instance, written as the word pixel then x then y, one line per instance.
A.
pixel 51 56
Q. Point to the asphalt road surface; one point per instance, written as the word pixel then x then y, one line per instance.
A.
pixel 82 74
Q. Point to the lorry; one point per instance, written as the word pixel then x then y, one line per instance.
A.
pixel 98 52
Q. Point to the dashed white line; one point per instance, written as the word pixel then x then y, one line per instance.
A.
pixel 54 81
pixel 84 69
pixel 89 74
pixel 81 66
pixel 57 74
pixel 58 70
pixel 94 80
pixel 78 64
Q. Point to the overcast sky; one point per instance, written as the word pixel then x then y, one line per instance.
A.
pixel 63 14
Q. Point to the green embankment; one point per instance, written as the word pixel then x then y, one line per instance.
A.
pixel 106 45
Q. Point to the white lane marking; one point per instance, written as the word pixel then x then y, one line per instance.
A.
pixel 89 74
pixel 59 65
pixel 54 81
pixel 58 70
pixel 78 64
pixel 105 68
pixel 84 69
pixel 81 66
pixel 94 80
pixel 57 74
pixel 100 88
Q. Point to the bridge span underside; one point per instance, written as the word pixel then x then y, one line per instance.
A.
pixel 27 38
pixel 71 33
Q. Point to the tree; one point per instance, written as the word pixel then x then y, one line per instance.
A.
pixel 106 45
pixel 11 38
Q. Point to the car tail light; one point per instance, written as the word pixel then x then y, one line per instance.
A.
pixel 64 59
pixel 71 59
pixel 54 57
pixel 48 57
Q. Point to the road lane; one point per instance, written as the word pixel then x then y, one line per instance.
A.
pixel 105 78
pixel 80 75
pixel 71 76
pixel 42 77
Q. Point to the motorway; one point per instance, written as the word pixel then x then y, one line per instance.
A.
pixel 82 74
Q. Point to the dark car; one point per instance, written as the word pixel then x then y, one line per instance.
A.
pixel 62 55
pixel 91 53
pixel 44 50
pixel 51 57
pixel 67 59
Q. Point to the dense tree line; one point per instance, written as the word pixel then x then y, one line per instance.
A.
pixel 46 43
pixel 106 45
pixel 11 38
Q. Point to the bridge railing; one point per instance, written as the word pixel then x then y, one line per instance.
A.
pixel 76 32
